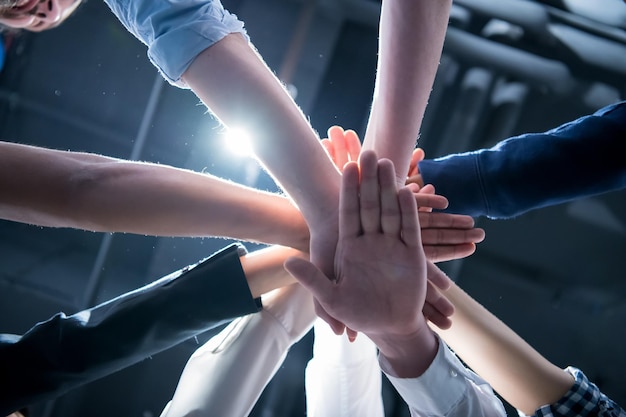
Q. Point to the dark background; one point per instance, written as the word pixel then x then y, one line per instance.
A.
pixel 554 275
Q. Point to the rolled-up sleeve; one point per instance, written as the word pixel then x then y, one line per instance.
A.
pixel 176 31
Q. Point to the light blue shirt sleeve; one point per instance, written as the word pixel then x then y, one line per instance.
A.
pixel 176 31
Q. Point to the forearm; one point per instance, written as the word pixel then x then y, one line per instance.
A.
pixel 407 356
pixel 237 86
pixel 264 269
pixel 87 191
pixel 201 45
pixel 411 40
pixel 157 200
pixel 513 368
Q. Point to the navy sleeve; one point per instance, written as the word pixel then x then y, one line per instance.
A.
pixel 576 160
pixel 65 352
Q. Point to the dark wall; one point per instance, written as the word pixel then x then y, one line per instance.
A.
pixel 554 275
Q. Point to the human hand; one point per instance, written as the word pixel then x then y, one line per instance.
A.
pixel 342 146
pixel 414 175
pixel 444 236
pixel 380 267
pixel 324 234
pixel 448 236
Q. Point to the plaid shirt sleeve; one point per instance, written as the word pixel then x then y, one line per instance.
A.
pixel 584 399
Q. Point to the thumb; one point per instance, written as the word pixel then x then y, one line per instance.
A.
pixel 309 276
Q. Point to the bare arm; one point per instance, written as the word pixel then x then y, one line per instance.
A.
pixel 87 191
pixel 514 369
pixel 264 268
pixel 235 84
pixel 411 40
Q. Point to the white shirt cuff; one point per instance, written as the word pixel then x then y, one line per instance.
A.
pixel 440 388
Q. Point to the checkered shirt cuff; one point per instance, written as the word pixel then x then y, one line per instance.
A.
pixel 584 399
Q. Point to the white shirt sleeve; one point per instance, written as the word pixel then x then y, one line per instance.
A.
pixel 447 388
pixel 226 376
pixel 343 379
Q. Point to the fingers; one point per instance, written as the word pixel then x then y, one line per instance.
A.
pixel 336 136
pixel 448 236
pixel 437 308
pixel 390 220
pixel 415 179
pixel 426 197
pixel 352 334
pixel 438 301
pixel 435 317
pixel 436 277
pixel 446 220
pixel 451 236
pixel 310 277
pixel 369 193
pixel 410 224
pixel 416 157
pixel 428 189
pixel 349 215
pixel 352 144
pixel 342 146
pixel 442 253
pixel 336 326
pixel 433 201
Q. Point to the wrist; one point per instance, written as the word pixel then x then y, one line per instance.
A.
pixel 407 355
pixel 301 237
pixel 264 268
pixel 283 224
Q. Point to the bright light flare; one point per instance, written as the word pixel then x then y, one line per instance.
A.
pixel 238 142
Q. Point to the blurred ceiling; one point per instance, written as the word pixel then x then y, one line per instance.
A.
pixel 510 66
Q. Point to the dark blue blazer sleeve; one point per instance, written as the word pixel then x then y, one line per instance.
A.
pixel 65 352
pixel 578 159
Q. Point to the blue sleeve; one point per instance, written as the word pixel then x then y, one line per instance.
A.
pixel 175 31
pixel 578 159
pixel 65 352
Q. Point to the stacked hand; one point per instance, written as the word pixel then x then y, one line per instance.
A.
pixel 380 283
pixel 444 236
pixel 380 267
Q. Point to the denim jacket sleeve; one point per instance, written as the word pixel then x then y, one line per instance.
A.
pixel 579 159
